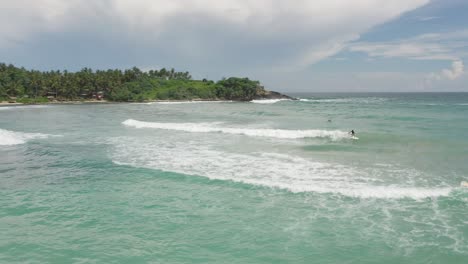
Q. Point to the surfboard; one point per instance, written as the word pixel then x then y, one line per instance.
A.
pixel 354 137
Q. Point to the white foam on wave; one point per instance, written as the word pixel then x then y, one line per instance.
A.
pixel 339 100
pixel 8 138
pixel 257 132
pixel 268 101
pixel 364 100
pixel 186 102
pixel 23 107
pixel 274 170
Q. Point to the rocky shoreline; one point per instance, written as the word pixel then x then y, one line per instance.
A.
pixel 268 95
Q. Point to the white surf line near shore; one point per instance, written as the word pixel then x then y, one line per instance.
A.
pixel 259 132
pixel 186 102
pixel 274 170
pixel 16 107
pixel 363 100
pixel 8 138
pixel 269 101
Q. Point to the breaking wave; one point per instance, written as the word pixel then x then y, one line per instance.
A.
pixel 367 100
pixel 257 132
pixel 292 173
pixel 23 107
pixel 268 101
pixel 8 138
pixel 186 102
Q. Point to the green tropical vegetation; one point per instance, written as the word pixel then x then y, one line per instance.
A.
pixel 31 86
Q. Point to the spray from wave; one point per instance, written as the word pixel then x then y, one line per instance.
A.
pixel 8 138
pixel 258 132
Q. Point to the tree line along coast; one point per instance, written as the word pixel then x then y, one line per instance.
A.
pixel 131 85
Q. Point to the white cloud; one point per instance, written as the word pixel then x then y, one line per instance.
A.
pixel 21 18
pixel 447 46
pixel 411 50
pixel 455 72
pixel 426 18
pixel 285 34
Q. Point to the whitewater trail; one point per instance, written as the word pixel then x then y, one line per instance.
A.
pixel 257 132
pixel 275 170
pixel 8 138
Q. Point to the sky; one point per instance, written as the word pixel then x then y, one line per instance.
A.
pixel 290 46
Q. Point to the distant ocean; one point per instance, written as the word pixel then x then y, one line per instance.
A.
pixel 273 181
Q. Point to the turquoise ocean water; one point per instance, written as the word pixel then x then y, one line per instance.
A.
pixel 229 182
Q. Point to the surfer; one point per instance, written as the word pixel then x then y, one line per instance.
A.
pixel 352 132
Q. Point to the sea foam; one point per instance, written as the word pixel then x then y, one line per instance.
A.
pixel 16 107
pixel 293 173
pixel 186 102
pixel 8 138
pixel 268 101
pixel 254 132
pixel 357 100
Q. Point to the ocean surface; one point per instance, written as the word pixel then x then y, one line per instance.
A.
pixel 228 182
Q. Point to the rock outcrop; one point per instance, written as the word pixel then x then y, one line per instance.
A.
pixel 265 94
